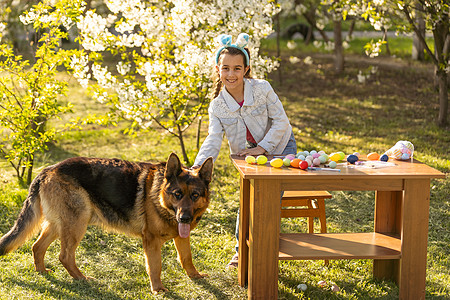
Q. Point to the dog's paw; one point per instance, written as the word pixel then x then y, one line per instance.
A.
pixel 44 271
pixel 88 278
pixel 198 275
pixel 158 290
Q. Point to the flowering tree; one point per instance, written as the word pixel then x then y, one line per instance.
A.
pixel 162 54
pixel 401 16
pixel 318 15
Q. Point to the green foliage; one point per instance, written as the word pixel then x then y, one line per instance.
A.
pixel 31 92
pixel 29 99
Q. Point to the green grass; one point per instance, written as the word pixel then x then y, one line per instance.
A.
pixel 328 111
pixel 399 46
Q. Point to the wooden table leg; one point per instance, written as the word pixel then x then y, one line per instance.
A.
pixel 243 231
pixel 413 263
pixel 264 231
pixel 388 219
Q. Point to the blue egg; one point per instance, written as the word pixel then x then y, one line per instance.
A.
pixel 301 156
pixel 384 157
pixel 352 158
pixel 405 156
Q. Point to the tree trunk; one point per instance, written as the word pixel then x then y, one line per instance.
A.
pixel 350 30
pixel 418 47
pixel 338 50
pixel 443 97
pixel 310 18
pixel 280 78
pixel 183 148
pixel 385 38
pixel 199 129
pixel 30 171
pixel 440 34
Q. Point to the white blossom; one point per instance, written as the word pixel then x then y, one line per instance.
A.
pixel 308 60
pixel 291 44
pixel 294 59
pixel 361 77
pixel 175 43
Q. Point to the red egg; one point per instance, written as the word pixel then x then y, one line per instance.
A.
pixel 303 165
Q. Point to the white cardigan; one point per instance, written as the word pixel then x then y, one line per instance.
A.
pixel 262 113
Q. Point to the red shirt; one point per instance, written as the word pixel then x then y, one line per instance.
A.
pixel 249 135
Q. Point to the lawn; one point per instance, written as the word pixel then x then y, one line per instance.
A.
pixel 328 112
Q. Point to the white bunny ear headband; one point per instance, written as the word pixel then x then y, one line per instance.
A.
pixel 225 42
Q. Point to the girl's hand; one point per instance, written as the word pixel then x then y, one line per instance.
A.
pixel 258 150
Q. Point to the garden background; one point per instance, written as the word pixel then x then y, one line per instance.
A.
pixel 367 106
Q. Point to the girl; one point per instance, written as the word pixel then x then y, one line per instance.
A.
pixel 247 110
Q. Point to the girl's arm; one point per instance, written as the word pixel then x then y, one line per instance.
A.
pixel 280 121
pixel 213 142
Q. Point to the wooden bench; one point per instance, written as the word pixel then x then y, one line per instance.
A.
pixel 309 204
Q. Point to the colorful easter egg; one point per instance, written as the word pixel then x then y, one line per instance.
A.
pixel 301 156
pixel 315 155
pixel 300 153
pixel 332 164
pixel 250 159
pixel 261 160
pixel 335 288
pixel 335 157
pixel 276 162
pixel 295 162
pixel 303 165
pixel 341 154
pixel 323 158
pixel 352 158
pixel 357 154
pixel 286 162
pixel 313 152
pixel 384 157
pixel 405 156
pixel 322 283
pixel 290 156
pixel 373 156
pixel 316 161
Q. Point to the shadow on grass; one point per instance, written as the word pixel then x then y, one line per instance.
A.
pixel 76 290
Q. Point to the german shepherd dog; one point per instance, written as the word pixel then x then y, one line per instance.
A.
pixel 156 202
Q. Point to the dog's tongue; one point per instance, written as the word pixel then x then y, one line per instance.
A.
pixel 184 229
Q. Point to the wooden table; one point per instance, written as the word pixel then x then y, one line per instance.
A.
pixel 398 245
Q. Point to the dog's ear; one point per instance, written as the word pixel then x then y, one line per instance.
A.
pixel 173 166
pixel 205 171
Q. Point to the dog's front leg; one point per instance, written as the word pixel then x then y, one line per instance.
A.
pixel 152 251
pixel 183 246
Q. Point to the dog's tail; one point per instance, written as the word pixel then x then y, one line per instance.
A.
pixel 27 222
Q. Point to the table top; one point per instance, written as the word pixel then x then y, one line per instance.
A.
pixel 402 169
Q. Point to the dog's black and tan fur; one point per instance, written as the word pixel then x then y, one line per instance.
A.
pixel 153 201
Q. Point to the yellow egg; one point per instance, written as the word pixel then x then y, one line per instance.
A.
pixel 276 162
pixel 261 160
pixel 250 159
pixel 335 157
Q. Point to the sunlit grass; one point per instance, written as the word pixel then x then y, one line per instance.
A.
pixel 328 112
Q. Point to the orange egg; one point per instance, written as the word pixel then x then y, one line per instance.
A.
pixel 295 162
pixel 373 156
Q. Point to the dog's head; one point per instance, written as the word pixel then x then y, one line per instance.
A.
pixel 186 192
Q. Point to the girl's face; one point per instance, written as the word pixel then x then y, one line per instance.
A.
pixel 231 70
